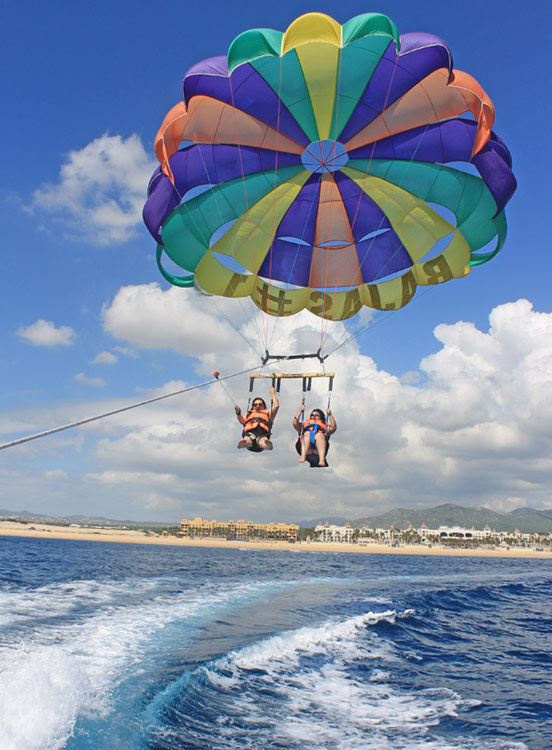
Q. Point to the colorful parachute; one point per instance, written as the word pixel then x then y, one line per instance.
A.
pixel 307 169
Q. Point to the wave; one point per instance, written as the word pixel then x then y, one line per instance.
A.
pixel 313 687
pixel 191 654
pixel 69 662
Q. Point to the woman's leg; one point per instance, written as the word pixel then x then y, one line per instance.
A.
pixel 305 445
pixel 264 443
pixel 320 442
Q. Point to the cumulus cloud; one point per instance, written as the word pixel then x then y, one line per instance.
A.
pixel 126 351
pixel 45 333
pixel 82 378
pixel 56 475
pixel 147 317
pixel 475 429
pixel 104 358
pixel 100 190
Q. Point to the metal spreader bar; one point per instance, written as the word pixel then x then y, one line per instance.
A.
pixel 316 355
pixel 277 377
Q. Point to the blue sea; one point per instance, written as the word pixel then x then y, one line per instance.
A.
pixel 123 646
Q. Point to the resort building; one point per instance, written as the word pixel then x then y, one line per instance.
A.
pixel 327 532
pixel 239 529
pixel 425 535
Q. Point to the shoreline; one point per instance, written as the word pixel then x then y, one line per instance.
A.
pixel 133 536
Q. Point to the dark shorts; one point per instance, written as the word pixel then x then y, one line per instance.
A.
pixel 255 434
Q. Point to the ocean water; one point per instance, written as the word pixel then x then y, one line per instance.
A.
pixel 146 647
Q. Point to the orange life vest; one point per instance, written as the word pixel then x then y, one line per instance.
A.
pixel 258 418
pixel 315 424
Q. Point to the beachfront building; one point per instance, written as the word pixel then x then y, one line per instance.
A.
pixel 239 530
pixel 450 534
pixel 327 532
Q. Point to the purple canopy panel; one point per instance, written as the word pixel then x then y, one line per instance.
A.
pixel 287 261
pixel 213 66
pixel 378 256
pixel 162 199
pixel 393 77
pixel 441 142
pixel 213 164
pixel 246 90
pixel 416 40
pixel 497 175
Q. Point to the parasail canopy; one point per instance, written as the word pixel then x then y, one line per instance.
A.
pixel 328 167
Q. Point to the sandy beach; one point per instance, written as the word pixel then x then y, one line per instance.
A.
pixel 133 536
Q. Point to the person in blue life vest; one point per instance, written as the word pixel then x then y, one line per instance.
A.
pixel 314 435
pixel 257 424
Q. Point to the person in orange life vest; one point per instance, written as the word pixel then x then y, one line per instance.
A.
pixel 314 434
pixel 257 424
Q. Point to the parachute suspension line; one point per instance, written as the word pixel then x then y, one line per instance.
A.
pixel 352 223
pixel 208 296
pixel 363 328
pixel 373 323
pixel 376 139
pixel 307 218
pixel 234 326
pixel 236 130
pixel 282 333
pixel 271 340
pixel 276 152
pixel 44 433
pixel 341 342
pixel 271 250
pixel 250 316
pixel 327 253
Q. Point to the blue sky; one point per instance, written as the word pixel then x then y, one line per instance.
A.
pixel 86 88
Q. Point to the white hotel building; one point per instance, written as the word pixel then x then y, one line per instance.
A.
pixel 331 533
pixel 326 532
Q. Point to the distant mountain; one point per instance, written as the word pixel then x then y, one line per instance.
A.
pixel 527 520
pixel 25 515
pixel 448 514
pixel 544 512
pixel 337 520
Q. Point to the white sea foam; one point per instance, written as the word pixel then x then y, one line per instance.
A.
pixel 41 691
pixel 53 600
pixel 290 645
pixel 330 687
pixel 58 672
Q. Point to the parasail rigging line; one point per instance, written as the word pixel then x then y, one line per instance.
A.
pixel 44 433
pixel 376 320
pixel 252 319
pixel 224 388
pixel 363 328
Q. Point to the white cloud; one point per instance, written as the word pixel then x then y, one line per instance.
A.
pixel 56 475
pixel 104 358
pixel 124 477
pixel 126 351
pixel 82 378
pixel 147 317
pixel 100 191
pixel 45 333
pixel 475 428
